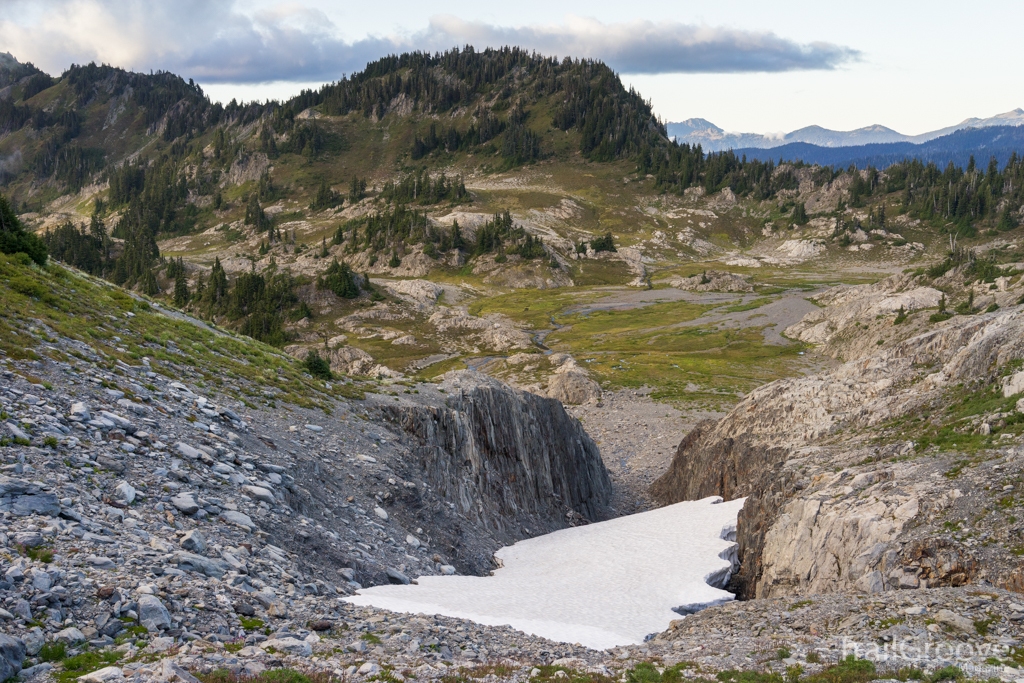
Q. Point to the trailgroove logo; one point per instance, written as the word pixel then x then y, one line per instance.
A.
pixel 978 660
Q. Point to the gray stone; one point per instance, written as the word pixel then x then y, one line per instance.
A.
pixel 945 616
pixel 259 493
pixel 202 565
pixel 16 431
pixel 292 646
pixel 29 539
pixel 872 582
pixel 111 464
pixel 79 412
pixel 12 654
pixel 70 635
pixel 34 639
pixel 233 562
pixel 152 613
pixel 381 513
pixel 193 541
pixel 238 519
pixel 186 503
pixel 21 609
pixel 187 451
pixel 125 492
pixel 104 675
pixel 33 671
pixel 369 669
pixel 573 388
pixel 23 498
pixel 41 580
pixel 100 562
pixel 395 576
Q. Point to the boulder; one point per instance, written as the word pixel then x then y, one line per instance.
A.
pixel 125 493
pixel 70 635
pixel 104 675
pixel 292 646
pixel 187 451
pixel 259 493
pixel 1014 384
pixel 22 498
pixel 193 541
pixel 573 388
pixel 12 654
pixel 186 503
pixel 152 613
pixel 202 565
pixel 238 519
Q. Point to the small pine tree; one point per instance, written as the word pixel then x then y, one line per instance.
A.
pixel 318 367
pixel 901 316
pixel 800 214
pixel 181 293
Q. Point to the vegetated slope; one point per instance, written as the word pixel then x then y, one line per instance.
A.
pixel 495 169
pixel 1001 142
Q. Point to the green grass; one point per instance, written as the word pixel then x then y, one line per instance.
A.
pixel 87 662
pixel 954 431
pixel 750 305
pixel 40 553
pixel 650 345
pixel 271 676
pixel 250 623
pixel 76 306
pixel 53 652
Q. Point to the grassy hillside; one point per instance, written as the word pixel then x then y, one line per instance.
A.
pixel 501 176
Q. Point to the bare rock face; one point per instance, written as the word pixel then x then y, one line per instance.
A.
pixel 418 292
pixel 248 168
pixel 507 459
pixel 819 517
pixel 845 321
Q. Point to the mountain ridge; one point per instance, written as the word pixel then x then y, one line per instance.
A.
pixel 713 138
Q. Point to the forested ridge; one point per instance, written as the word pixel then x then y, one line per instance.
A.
pixel 162 160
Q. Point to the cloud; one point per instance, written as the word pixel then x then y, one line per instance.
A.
pixel 213 42
pixel 645 47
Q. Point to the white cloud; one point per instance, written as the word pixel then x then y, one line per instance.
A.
pixel 213 42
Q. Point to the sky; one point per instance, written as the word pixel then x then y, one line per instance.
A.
pixel 745 65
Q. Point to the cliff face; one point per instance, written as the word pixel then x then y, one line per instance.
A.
pixel 835 502
pixel 513 462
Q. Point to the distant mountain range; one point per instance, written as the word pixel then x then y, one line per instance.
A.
pixel 715 139
pixel 957 147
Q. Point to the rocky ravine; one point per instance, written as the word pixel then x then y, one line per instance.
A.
pixel 839 496
pixel 172 515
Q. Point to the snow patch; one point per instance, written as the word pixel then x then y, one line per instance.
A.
pixel 602 585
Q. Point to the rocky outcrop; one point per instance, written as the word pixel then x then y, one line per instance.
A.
pixel 573 388
pixel 713 281
pixel 508 460
pixel 570 383
pixel 852 319
pixel 819 516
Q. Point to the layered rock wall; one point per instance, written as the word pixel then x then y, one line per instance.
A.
pixel 507 459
